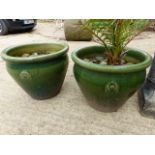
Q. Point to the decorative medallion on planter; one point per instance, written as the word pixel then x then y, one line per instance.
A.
pixel 39 68
pixel 25 75
pixel 112 87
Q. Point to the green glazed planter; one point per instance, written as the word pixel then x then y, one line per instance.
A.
pixel 107 87
pixel 41 76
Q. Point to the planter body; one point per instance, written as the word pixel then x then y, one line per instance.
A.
pixel 41 77
pixel 74 31
pixel 107 87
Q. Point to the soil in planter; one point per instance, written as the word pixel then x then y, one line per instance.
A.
pixel 100 59
pixel 35 54
pixel 31 54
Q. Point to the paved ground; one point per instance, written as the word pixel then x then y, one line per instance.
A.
pixel 68 112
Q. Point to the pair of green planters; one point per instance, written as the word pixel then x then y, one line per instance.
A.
pixel 106 87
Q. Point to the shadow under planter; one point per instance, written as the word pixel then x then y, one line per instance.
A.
pixel 108 87
pixel 39 68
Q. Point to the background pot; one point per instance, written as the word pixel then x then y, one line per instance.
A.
pixel 107 87
pixel 75 31
pixel 40 76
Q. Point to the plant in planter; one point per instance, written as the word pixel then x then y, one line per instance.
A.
pixel 108 74
pixel 39 68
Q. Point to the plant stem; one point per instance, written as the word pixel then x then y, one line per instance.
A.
pixel 105 45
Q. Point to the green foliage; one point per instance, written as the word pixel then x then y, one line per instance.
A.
pixel 115 34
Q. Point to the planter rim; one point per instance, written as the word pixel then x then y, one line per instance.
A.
pixel 112 68
pixel 39 58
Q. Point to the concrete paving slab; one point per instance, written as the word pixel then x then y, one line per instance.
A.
pixel 68 112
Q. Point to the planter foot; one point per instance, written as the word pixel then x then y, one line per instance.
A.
pixel 103 108
pixel 46 97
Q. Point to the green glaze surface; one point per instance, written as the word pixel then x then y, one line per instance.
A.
pixel 42 76
pixel 107 87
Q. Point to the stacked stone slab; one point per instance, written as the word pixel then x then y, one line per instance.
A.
pixel 75 31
